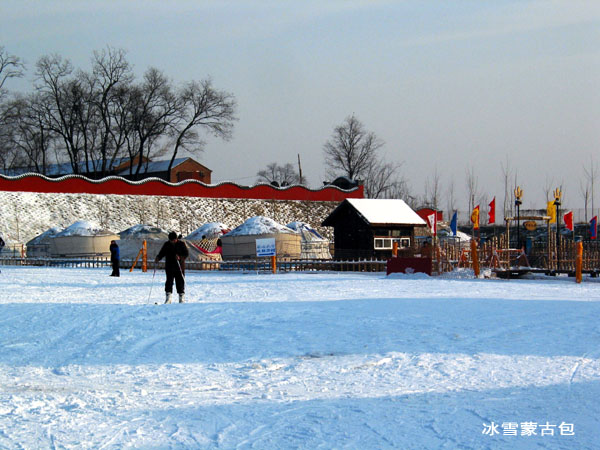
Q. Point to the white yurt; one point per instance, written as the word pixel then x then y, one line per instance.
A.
pixel 82 238
pixel 132 239
pixel 313 245
pixel 40 246
pixel 240 243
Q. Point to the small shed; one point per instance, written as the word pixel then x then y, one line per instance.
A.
pixel 368 228
pixel 313 245
pixel 39 246
pixel 240 243
pixel 82 239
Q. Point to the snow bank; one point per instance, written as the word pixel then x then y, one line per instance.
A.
pixel 259 225
pixel 295 360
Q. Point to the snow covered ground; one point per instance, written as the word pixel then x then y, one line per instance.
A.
pixel 308 360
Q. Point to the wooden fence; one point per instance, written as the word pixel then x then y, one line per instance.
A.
pixel 494 254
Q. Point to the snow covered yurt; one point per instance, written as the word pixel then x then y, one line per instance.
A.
pixel 82 238
pixel 207 239
pixel 132 239
pixel 240 243
pixel 313 245
pixel 40 246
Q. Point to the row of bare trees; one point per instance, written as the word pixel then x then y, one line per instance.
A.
pixel 353 152
pixel 97 118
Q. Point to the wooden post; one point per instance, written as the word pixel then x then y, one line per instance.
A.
pixel 578 263
pixel 274 264
pixel 475 257
pixel 144 256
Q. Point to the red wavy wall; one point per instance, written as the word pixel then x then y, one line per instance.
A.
pixel 74 184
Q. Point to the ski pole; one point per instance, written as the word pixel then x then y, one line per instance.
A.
pixel 151 284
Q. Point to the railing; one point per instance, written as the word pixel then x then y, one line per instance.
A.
pixel 246 265
pixel 95 261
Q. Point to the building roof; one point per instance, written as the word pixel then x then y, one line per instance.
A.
pixel 66 168
pixel 381 211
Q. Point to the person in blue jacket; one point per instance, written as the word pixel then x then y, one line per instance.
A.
pixel 115 256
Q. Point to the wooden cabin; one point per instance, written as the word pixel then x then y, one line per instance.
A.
pixel 368 228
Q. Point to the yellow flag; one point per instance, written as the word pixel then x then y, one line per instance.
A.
pixel 475 217
pixel 551 211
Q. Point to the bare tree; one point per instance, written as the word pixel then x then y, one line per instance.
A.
pixel 200 106
pixel 29 136
pixel 10 67
pixel 472 187
pixel 451 197
pixel 381 179
pixel 432 189
pixel 584 188
pixel 401 189
pixel 591 174
pixel 67 111
pixel 279 175
pixel 352 150
pixel 506 178
pixel 113 76
pixel 152 109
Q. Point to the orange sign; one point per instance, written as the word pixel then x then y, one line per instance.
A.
pixel 530 225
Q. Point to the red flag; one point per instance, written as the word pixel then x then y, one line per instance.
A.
pixel 432 219
pixel 568 218
pixel 492 212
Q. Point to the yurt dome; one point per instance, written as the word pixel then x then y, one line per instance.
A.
pixel 39 246
pixel 81 239
pixel 241 241
pixel 209 230
pixel 314 246
pixel 144 232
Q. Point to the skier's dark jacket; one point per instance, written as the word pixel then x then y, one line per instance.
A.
pixel 115 253
pixel 170 251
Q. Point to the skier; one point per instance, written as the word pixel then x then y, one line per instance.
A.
pixel 114 259
pixel 173 254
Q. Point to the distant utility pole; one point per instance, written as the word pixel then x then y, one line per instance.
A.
pixel 300 170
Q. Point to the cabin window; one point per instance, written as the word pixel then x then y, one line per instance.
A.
pixel 404 243
pixel 383 243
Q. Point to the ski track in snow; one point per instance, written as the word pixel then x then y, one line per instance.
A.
pixel 294 360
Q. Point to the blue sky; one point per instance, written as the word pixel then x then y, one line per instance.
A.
pixel 446 84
